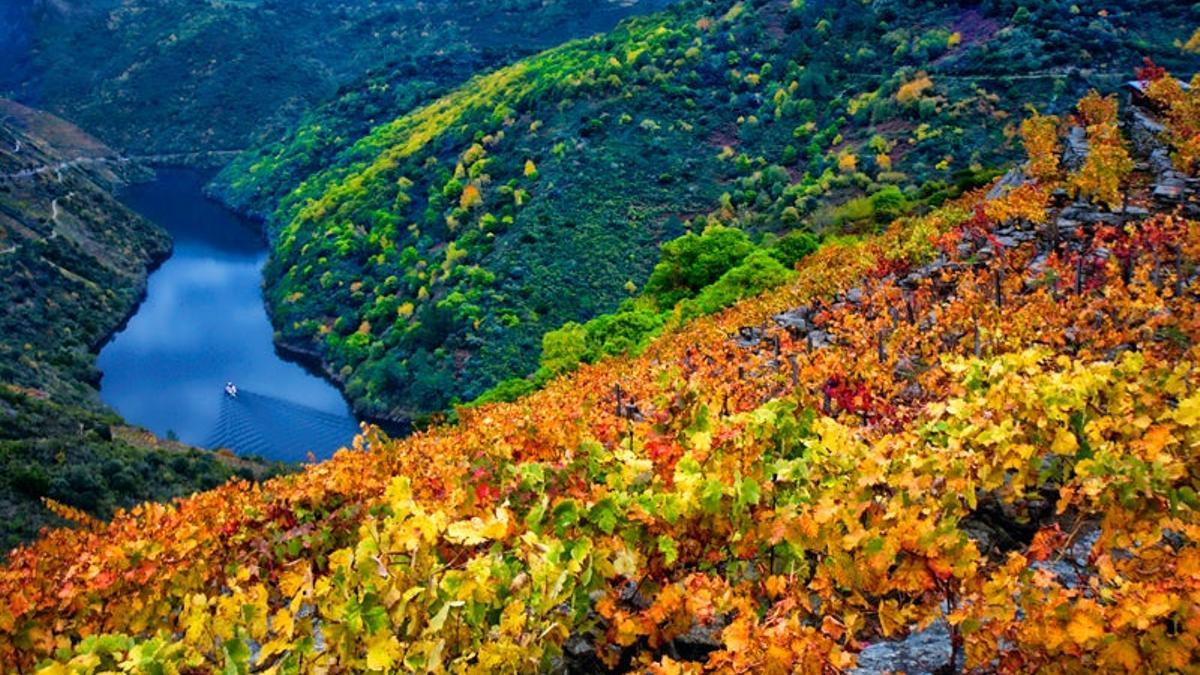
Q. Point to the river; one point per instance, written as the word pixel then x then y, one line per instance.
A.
pixel 203 323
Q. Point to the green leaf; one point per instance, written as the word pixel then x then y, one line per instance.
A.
pixel 374 616
pixel 1188 496
pixel 604 515
pixel 668 548
pixel 565 514
pixel 439 619
pixel 532 476
pixel 533 519
pixel 671 508
pixel 237 656
pixel 748 492
pixel 687 465
pixel 711 495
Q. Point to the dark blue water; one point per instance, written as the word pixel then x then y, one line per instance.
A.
pixel 203 323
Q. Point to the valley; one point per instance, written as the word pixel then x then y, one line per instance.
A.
pixel 74 262
pixel 784 336
pixel 167 109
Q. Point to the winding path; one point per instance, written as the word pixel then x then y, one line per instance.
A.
pixel 59 167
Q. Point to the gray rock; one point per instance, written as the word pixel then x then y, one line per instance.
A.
pixel 1160 161
pixel 749 336
pixel 1012 180
pixel 1066 226
pixel 704 636
pixel 1074 569
pixel 819 339
pixel 1007 240
pixel 578 645
pixel 1167 193
pixel 1077 149
pixel 793 320
pixel 923 652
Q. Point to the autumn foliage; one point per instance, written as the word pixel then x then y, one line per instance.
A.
pixel 1108 162
pixel 996 431
pixel 1039 134
pixel 1182 119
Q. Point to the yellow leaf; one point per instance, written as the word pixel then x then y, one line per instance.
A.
pixel 1085 626
pixel 476 530
pixel 1188 412
pixel 512 619
pixel 383 651
pixel 1155 440
pixel 1064 443
pixel 1123 653
pixel 890 617
pixel 625 563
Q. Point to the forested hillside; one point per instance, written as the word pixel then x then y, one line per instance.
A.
pixel 426 264
pixel 256 180
pixel 967 443
pixel 73 263
pixel 153 77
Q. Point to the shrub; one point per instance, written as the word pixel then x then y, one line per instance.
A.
pixel 793 247
pixel 759 272
pixel 505 391
pixel 621 333
pixel 563 349
pixel 693 261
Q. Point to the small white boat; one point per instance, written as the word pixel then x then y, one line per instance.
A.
pixel 231 390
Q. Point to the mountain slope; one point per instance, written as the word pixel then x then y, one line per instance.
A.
pixel 156 77
pixel 255 181
pixel 74 263
pixel 428 262
pixel 978 429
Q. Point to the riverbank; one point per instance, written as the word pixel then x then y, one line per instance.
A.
pixel 75 263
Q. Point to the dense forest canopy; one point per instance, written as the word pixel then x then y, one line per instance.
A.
pixel 165 77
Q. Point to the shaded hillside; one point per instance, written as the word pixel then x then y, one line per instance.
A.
pixel 153 77
pixel 977 431
pixel 74 264
pixel 426 264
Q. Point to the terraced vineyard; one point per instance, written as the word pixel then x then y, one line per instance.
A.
pixel 981 424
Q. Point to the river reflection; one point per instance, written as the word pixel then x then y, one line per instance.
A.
pixel 204 323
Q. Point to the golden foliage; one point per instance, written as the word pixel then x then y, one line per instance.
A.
pixel 797 499
pixel 913 90
pixel 1039 135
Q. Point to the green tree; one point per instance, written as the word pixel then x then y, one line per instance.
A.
pixel 563 349
pixel 693 261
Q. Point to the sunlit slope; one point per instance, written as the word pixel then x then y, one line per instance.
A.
pixel 985 417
